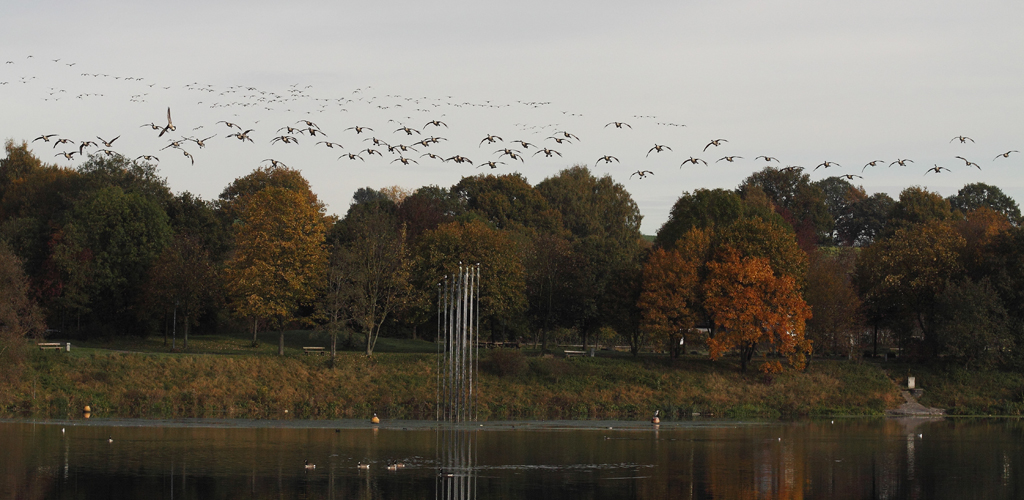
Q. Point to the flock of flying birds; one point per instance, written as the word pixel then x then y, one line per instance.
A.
pixel 403 141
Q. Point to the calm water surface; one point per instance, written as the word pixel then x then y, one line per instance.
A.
pixel 844 458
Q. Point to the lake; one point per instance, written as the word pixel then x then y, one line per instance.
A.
pixel 841 458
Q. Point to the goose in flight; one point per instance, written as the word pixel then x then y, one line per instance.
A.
pixel 511 153
pixel 174 144
pixel 147 158
pixel 715 142
pixel 68 154
pixel 524 144
pixel 641 173
pixel 242 136
pixel 106 143
pixel 189 155
pixel 170 125
pixel 937 169
pixel 901 162
pixel 358 129
pixel 287 139
pixel 547 152
pixel 566 135
pixel 970 163
pixel 728 158
pixel 330 144
pixel 200 142
pixel 291 130
pixel 107 152
pixel 873 163
pixel 962 139
pixel 618 124
pixel 85 144
pixel 1006 154
pixel 436 123
pixel 152 126
pixel 606 159
pixel 460 159
pixel 657 149
pixel 768 158
pixel 559 140
pixel 351 156
pixel 405 161
pixel 490 139
pixel 492 164
pixel 45 137
pixel 432 156
pixel 793 168
pixel 693 161
pixel 372 152
pixel 275 163
pixel 376 142
pixel 407 130
pixel 401 147
pixel 230 125
pixel 827 164
pixel 850 177
pixel 63 141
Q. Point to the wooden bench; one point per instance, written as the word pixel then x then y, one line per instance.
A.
pixel 53 346
pixel 573 354
pixel 317 350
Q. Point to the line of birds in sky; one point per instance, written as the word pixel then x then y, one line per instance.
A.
pixel 414 142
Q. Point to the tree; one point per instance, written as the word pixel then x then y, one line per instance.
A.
pixel 604 223
pixel 751 306
pixel 550 267
pixel 702 208
pixel 507 202
pixel 668 301
pixel 917 206
pixel 19 315
pixel 840 196
pixel 440 252
pixel 801 203
pixel 373 257
pixel 866 220
pixel 977 195
pixel 183 279
pixel 971 324
pixel 108 244
pixel 900 276
pixel 837 324
pixel 279 257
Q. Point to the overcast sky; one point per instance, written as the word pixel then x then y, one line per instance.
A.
pixel 803 81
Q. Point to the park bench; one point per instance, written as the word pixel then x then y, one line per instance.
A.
pixel 317 350
pixel 573 354
pixel 53 346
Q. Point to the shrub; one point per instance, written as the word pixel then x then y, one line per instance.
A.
pixel 505 363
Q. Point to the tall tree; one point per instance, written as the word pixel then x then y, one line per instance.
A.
pixel 279 257
pixel 373 257
pixel 669 301
pixel 837 323
pixel 19 315
pixel 799 201
pixel 702 208
pixel 971 324
pixel 917 205
pixel 866 220
pixel 604 222
pixel 183 280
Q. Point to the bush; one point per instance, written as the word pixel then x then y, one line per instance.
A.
pixel 505 363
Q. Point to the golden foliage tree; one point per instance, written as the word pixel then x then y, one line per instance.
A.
pixel 279 258
pixel 753 306
pixel 668 299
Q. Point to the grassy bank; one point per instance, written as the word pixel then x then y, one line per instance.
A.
pixel 226 377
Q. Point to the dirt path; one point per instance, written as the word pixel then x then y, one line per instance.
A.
pixel 912 407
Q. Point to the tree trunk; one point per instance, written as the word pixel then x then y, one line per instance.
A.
pixel 334 346
pixel 185 345
pixel 254 323
pixel 280 343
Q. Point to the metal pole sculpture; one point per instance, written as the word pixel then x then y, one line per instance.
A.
pixel 458 317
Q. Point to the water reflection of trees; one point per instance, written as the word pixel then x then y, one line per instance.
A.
pixel 870 458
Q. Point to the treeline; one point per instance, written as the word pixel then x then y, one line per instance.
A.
pixel 781 266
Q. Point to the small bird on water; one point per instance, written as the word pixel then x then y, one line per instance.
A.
pixel 309 465
pixel 656 420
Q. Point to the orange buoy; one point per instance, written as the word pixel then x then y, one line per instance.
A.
pixel 87 409
pixel 375 420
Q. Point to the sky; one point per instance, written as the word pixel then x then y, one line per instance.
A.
pixel 801 81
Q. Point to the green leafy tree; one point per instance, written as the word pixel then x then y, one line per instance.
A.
pixel 977 195
pixel 701 209
pixel 917 206
pixel 866 221
pixel 604 223
pixel 507 202
pixel 799 201
pixel 184 281
pixel 971 324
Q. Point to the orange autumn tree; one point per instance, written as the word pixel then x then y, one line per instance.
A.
pixel 668 297
pixel 752 306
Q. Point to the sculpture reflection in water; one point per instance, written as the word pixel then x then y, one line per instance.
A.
pixel 458 328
